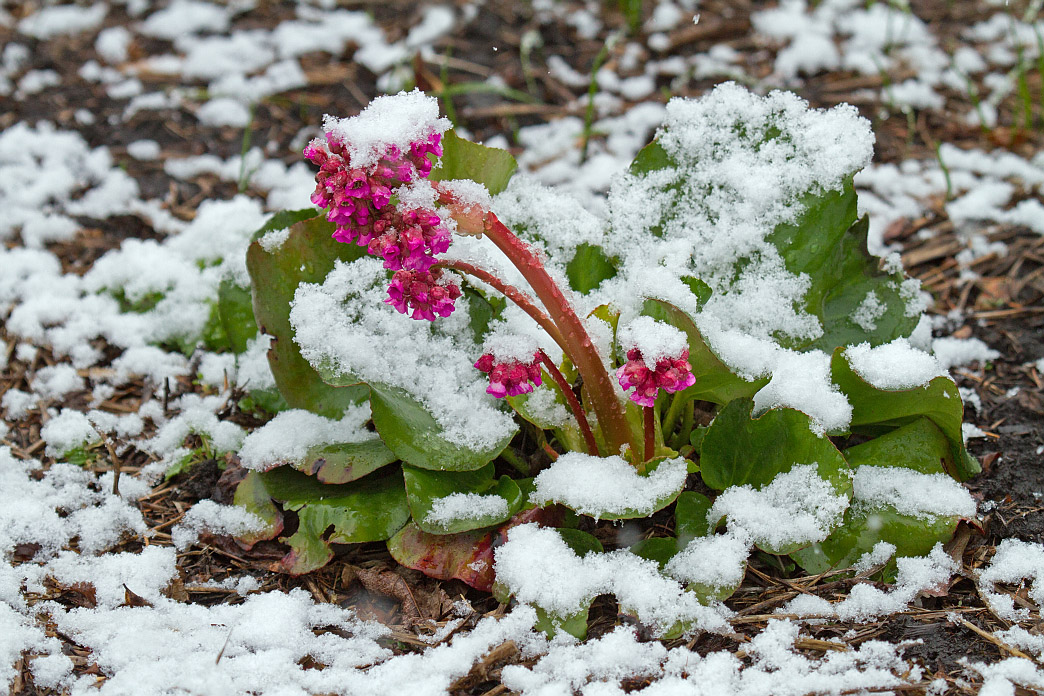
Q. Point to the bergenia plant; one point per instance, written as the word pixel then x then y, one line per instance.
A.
pixel 465 354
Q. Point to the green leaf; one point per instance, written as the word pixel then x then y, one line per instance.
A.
pixel 690 521
pixel 463 159
pixel 876 411
pixel 864 526
pixel 307 256
pixel 467 556
pixel 346 461
pixel 284 219
pixel 651 158
pixel 236 310
pixel 739 449
pixel 690 517
pixel 415 436
pixel 252 496
pixel 370 509
pixel 829 245
pixel 482 311
pixel 715 382
pixel 588 268
pixel 920 446
pixel 424 488
pixel 573 624
pixel 697 287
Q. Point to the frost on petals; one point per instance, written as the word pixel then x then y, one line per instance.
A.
pixel 510 377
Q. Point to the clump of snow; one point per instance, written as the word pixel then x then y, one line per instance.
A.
pixel 802 381
pixel 912 493
pixel 63 20
pixel 53 507
pixel 955 352
pixel 288 437
pixel 465 506
pixel 656 340
pixel 879 554
pixel 796 507
pixel 895 365
pixel 868 312
pixel 56 381
pixel 224 112
pixel 506 347
pixel 143 149
pixel 597 486
pixel 1014 563
pixel 67 431
pixel 716 561
pixel 866 602
pixel 208 516
pixel 540 569
pixel 398 119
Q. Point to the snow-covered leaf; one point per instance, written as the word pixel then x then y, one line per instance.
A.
pixel 306 254
pixel 451 502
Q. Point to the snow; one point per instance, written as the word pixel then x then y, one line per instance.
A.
pixel 912 493
pixel 895 365
pixel 655 339
pixel 288 437
pixel 71 334
pixel 597 486
pixel 796 508
pixel 398 119
pixel 465 506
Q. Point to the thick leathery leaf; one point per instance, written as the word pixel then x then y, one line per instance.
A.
pixel 876 411
pixel 588 268
pixel 738 449
pixel 864 526
pixel 370 509
pixel 463 159
pixel 424 488
pixel 467 556
pixel 237 315
pixel 252 496
pixel 415 436
pixel 306 256
pixel 346 461
pixel 919 446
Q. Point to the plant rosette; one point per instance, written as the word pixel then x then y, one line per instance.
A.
pixel 462 353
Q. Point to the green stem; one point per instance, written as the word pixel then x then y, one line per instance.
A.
pixel 574 403
pixel 650 431
pixel 674 412
pixel 577 343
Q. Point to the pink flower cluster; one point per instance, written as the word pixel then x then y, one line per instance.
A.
pixel 671 374
pixel 426 293
pixel 510 378
pixel 408 240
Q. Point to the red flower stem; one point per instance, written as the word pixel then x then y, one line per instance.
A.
pixel 512 293
pixel 650 432
pixel 574 403
pixel 577 343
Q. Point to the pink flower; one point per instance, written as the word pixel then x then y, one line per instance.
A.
pixel 671 375
pixel 510 378
pixel 424 293
pixel 421 236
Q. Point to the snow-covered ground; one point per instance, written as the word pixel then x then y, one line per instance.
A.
pixel 82 334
